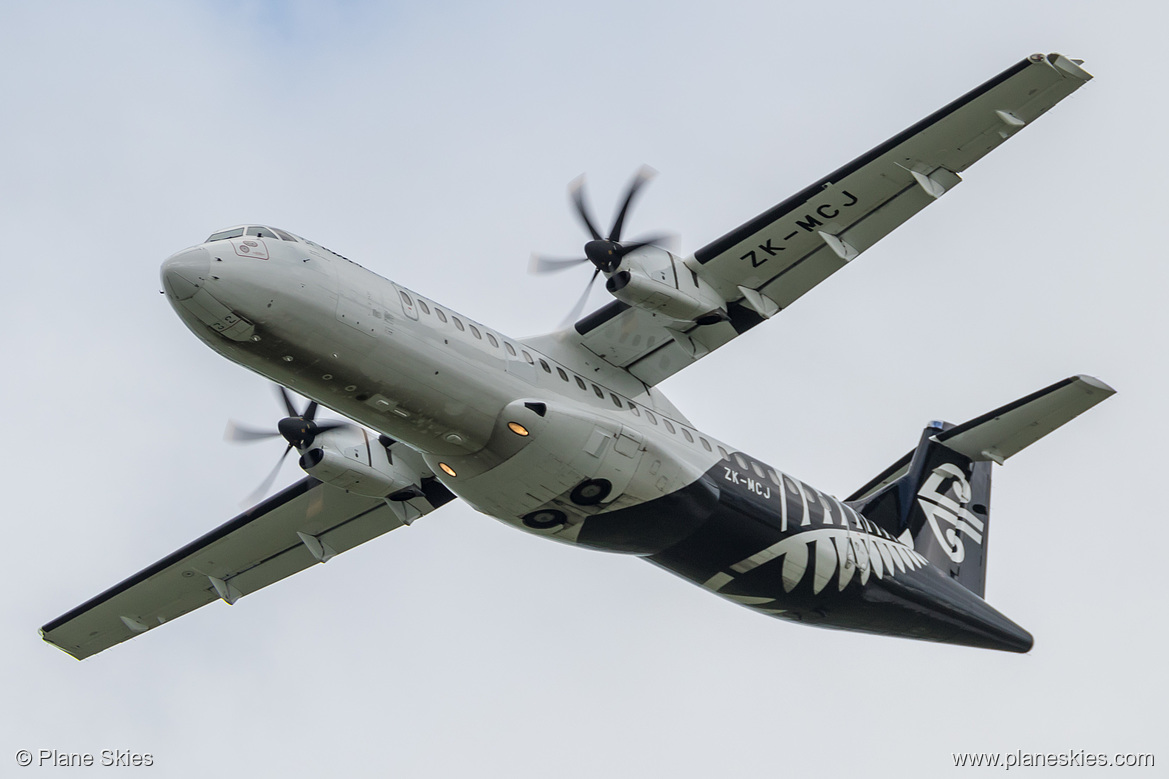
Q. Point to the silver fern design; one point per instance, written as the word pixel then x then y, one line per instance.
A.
pixel 830 552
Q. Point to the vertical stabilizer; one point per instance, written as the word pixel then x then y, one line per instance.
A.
pixel 943 503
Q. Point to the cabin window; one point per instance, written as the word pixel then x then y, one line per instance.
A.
pixel 669 425
pixel 441 316
pixel 705 443
pixel 580 383
pixel 510 348
pixel 494 342
pixel 598 391
pixel 458 323
pixel 687 435
pixel 650 416
pixel 528 358
pixel 545 366
pixel 739 459
pixel 475 332
pixel 773 477
pixel 724 454
pixel 616 400
pixel 563 375
pixel 422 304
pixel 633 408
pixel 758 471
pixel 406 298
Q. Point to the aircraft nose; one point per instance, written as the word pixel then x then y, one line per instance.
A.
pixel 184 273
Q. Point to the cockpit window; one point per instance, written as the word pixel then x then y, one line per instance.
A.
pixel 224 235
pixel 258 231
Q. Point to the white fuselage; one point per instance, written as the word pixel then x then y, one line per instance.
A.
pixel 445 385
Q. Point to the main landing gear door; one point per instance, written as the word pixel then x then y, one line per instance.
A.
pixel 610 462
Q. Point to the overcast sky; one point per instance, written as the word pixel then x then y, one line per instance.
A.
pixel 433 143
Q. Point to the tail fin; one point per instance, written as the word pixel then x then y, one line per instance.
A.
pixel 939 494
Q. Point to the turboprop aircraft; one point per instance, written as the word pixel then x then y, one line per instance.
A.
pixel 567 435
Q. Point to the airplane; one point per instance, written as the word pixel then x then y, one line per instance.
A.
pixel 567 436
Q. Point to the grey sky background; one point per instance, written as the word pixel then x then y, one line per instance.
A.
pixel 433 144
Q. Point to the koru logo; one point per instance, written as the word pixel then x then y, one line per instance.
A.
pixel 943 498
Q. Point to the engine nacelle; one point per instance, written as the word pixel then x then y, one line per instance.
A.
pixel 363 466
pixel 655 280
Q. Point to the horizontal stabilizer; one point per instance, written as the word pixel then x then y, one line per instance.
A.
pixel 1007 430
pixel 1015 426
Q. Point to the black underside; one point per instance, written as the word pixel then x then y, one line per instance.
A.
pixel 713 526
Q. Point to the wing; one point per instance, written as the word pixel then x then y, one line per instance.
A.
pixel 305 524
pixel 768 263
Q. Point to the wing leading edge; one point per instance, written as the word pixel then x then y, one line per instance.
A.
pixel 766 264
pixel 307 523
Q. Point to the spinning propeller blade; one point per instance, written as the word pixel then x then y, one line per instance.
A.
pixel 242 434
pixel 578 309
pixel 547 265
pixel 258 494
pixel 576 190
pixel 298 429
pixel 606 254
pixel 643 175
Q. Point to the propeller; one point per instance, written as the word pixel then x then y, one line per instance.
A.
pixel 298 429
pixel 605 253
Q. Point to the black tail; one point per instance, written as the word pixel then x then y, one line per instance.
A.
pixel 939 494
pixel 943 502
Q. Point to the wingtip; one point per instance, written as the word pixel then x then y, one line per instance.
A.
pixel 1095 384
pixel 1065 65
pixel 50 642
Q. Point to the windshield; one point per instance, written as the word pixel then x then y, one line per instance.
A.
pixel 257 231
